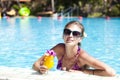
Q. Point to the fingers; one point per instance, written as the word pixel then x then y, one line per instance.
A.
pixel 43 69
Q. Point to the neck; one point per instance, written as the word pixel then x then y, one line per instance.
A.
pixel 71 51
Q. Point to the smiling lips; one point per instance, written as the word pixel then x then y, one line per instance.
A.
pixel 69 40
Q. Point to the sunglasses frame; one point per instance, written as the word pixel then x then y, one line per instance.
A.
pixel 74 33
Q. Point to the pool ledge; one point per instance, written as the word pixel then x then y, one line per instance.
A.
pixel 7 73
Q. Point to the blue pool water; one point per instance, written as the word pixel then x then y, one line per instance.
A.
pixel 23 41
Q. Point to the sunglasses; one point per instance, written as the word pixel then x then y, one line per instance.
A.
pixel 74 33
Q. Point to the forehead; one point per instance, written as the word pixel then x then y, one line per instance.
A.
pixel 74 27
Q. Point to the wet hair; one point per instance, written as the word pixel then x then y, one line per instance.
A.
pixel 79 25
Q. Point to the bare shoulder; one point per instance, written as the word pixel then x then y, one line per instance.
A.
pixel 59 49
pixel 83 53
pixel 90 60
pixel 61 45
pixel 86 56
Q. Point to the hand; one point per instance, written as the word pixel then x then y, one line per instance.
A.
pixel 43 69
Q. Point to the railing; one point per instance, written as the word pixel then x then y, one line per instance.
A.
pixel 67 13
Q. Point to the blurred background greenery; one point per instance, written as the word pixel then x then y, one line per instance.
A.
pixel 85 8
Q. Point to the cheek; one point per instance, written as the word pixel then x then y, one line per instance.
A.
pixel 64 38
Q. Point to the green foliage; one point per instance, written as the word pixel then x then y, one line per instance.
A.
pixel 114 11
pixel 96 14
pixel 86 8
pixel 60 8
pixel 16 7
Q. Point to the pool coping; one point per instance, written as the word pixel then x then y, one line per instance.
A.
pixel 8 73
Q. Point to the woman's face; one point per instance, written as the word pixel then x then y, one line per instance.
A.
pixel 72 34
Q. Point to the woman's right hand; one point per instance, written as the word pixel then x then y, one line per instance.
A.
pixel 43 69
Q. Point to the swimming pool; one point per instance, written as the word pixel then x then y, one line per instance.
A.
pixel 24 40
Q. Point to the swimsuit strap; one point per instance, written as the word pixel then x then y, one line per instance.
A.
pixel 60 61
pixel 75 66
pixel 78 51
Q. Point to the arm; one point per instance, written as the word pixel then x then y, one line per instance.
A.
pixel 100 68
pixel 38 65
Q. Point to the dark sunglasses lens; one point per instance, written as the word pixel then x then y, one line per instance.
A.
pixel 76 33
pixel 67 32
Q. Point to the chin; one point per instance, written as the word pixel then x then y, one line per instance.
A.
pixel 69 44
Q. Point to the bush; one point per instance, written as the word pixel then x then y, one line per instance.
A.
pixel 95 14
pixel 114 11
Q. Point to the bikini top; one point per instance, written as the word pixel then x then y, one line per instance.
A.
pixel 74 67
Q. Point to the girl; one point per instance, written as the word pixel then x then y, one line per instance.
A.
pixel 71 57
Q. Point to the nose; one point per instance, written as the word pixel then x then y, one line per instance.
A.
pixel 71 35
